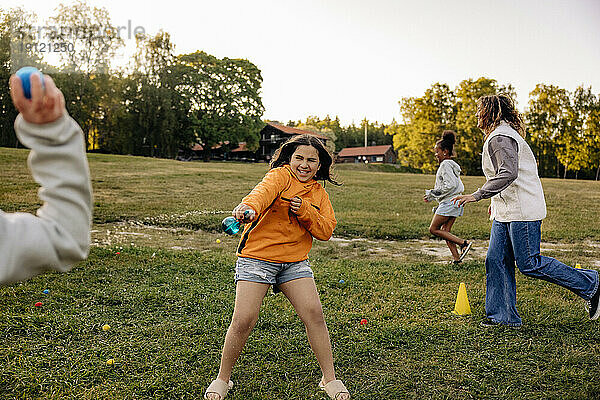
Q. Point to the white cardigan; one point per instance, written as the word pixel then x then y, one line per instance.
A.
pixel 523 199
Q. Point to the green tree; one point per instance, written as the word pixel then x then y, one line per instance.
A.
pixel 424 120
pixel 158 122
pixel 469 141
pixel 323 130
pixel 93 36
pixel 349 136
pixel 15 28
pixel 328 127
pixel 547 118
pixel 592 133
pixel 574 151
pixel 114 125
pixel 376 134
pixel 95 40
pixel 225 99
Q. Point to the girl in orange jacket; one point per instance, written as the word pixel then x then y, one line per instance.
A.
pixel 283 213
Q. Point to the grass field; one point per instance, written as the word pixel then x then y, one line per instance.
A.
pixel 168 296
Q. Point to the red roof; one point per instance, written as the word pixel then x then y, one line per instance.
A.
pixel 241 147
pixel 364 151
pixel 294 131
pixel 198 147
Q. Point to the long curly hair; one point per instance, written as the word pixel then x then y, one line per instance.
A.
pixel 493 109
pixel 283 155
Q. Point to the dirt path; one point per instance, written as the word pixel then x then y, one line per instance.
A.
pixel 135 234
pixel 585 253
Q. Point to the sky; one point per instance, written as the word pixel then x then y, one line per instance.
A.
pixel 356 59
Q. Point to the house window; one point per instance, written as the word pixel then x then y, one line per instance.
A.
pixel 379 159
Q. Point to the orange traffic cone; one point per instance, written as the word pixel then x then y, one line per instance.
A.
pixel 462 306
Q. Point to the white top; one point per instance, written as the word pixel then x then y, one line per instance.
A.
pixel 60 233
pixel 447 182
pixel 523 199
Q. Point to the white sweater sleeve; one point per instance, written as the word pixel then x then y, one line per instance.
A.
pixel 446 182
pixel 60 233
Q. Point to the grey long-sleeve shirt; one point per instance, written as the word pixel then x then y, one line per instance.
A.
pixel 505 159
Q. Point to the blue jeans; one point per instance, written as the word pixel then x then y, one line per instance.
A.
pixel 519 241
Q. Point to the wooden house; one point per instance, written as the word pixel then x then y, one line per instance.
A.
pixel 383 154
pixel 274 135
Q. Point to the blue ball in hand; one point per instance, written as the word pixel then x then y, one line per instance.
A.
pixel 231 226
pixel 25 75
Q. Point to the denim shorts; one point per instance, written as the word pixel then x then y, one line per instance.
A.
pixel 449 209
pixel 253 270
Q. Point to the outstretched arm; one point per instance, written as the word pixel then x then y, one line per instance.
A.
pixel 505 160
pixel 60 233
pixel 262 196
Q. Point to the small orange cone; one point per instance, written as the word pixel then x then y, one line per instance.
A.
pixel 462 306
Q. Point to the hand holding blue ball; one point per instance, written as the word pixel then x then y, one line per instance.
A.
pixel 38 100
pixel 25 74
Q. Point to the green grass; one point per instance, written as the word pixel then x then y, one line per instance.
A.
pixel 169 309
pixel 369 204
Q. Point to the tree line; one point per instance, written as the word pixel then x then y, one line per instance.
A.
pixel 562 127
pixel 162 103
pixel 345 136
pixel 159 104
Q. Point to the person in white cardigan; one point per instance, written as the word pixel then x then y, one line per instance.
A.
pixel 516 210
pixel 59 235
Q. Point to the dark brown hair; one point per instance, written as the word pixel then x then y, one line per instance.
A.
pixel 447 142
pixel 283 155
pixel 496 108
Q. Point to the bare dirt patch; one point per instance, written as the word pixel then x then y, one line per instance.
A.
pixel 134 233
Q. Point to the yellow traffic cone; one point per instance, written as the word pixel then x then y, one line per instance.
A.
pixel 462 306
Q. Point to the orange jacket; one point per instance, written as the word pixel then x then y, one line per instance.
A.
pixel 278 235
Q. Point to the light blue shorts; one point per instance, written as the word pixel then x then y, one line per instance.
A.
pixel 253 270
pixel 449 209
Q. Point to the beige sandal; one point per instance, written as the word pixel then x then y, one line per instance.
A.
pixel 218 387
pixel 334 389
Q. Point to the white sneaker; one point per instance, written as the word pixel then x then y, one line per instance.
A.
pixel 464 250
